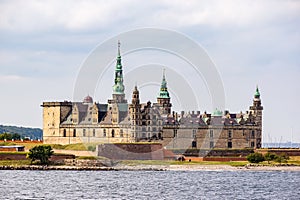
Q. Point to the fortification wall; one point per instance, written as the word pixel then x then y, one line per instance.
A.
pixel 127 151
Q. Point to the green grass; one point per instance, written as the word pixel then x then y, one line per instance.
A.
pixel 13 152
pixel 14 162
pixel 7 143
pixel 75 147
pixel 87 158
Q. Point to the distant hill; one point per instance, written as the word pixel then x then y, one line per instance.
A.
pixel 33 133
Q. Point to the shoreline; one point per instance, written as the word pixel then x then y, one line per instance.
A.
pixel 156 168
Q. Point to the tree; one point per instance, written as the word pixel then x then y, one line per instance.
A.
pixel 255 157
pixel 41 153
pixel 10 136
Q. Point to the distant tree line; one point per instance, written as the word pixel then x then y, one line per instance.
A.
pixel 24 132
pixel 10 136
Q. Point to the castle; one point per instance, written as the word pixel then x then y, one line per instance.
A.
pixel 118 121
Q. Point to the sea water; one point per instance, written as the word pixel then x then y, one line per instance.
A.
pixel 18 184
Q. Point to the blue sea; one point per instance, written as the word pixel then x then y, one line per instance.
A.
pixel 18 184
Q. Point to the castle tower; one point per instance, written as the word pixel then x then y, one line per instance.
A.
pixel 118 103
pixel 163 99
pixel 118 87
pixel 135 112
pixel 256 109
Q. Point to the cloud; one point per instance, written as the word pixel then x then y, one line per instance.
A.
pixel 30 16
pixel 9 78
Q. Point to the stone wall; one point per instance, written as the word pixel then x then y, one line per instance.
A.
pixel 289 152
pixel 213 152
pixel 83 163
pixel 131 151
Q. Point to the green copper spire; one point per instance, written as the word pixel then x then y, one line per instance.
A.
pixel 257 94
pixel 163 88
pixel 118 87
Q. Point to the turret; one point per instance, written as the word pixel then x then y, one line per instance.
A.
pixel 163 99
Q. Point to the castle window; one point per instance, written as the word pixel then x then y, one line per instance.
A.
pixel 65 133
pixel 252 144
pixel 83 132
pixel 229 134
pixel 113 133
pixel 194 144
pixel 104 132
pixel 94 132
pixel 211 145
pixel 194 133
pixel 159 136
pixel 175 132
pixel 211 133
pixel 74 132
pixel 229 145
pixel 121 133
pixel 253 134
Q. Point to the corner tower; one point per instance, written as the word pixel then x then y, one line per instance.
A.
pixel 256 109
pixel 118 87
pixel 163 99
pixel 135 113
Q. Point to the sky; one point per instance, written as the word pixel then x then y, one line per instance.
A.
pixel 251 42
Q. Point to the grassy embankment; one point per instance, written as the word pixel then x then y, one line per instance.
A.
pixel 75 147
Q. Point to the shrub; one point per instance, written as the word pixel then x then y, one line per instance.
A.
pixel 255 157
pixel 41 153
pixel 282 158
pixel 270 157
pixel 91 148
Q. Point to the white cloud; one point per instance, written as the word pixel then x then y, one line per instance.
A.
pixel 9 78
pixel 30 16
